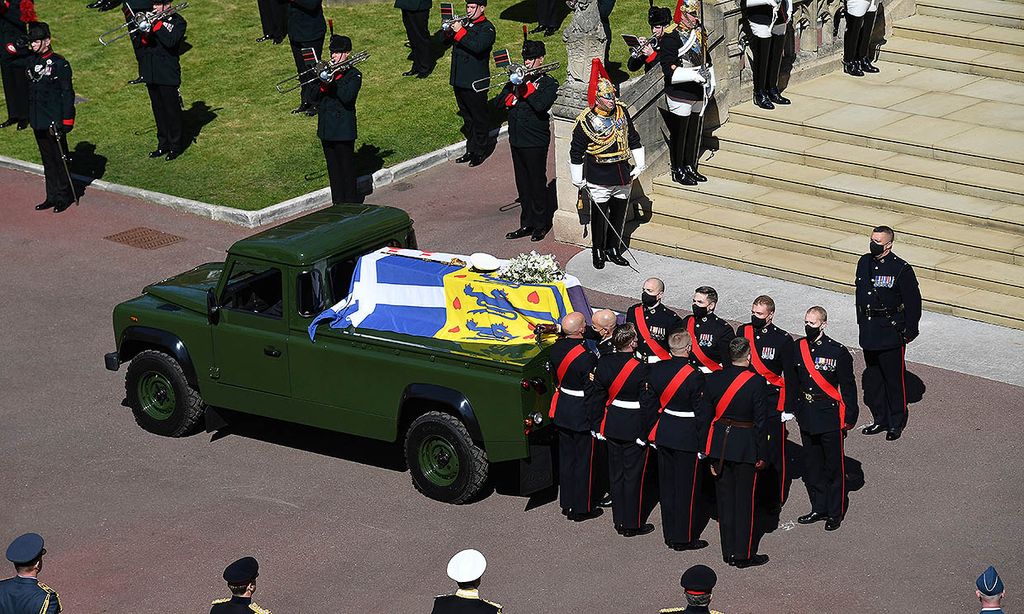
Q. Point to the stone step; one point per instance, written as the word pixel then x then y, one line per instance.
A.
pixel 993 12
pixel 954 58
pixel 822 272
pixel 871 125
pixel 829 228
pixel 961 33
pixel 947 177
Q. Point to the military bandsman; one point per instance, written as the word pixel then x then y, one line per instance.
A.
pixel 698 582
pixel 306 31
pixel 709 334
pixel 24 593
pixel 15 15
pixel 162 43
pixel 646 55
pixel 466 568
pixel 654 321
pixel 241 578
pixel 471 57
pixel 336 121
pixel 415 16
pixel 273 19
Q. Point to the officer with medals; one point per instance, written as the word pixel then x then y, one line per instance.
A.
pixel 990 591
pixel 698 582
pixel 621 394
pixel 646 56
pixel 241 578
pixel 736 414
pixel 336 121
pixel 24 593
pixel 529 134
pixel 654 321
pixel 306 31
pixel 709 334
pixel 677 388
pixel 471 61
pixel 603 140
pixel 571 364
pixel 888 315
pixel 826 408
pixel 51 113
pixel 161 70
pixel 466 568
pixel 860 23
pixel 15 15
pixel 768 20
pixel 771 357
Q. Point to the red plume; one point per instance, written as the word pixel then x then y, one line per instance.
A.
pixel 330 24
pixel 524 32
pixel 678 17
pixel 28 11
pixel 596 71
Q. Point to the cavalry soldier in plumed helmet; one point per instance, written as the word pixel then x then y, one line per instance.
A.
pixel 466 568
pixel 529 135
pixel 698 582
pixel 161 70
pixel 241 578
pixel 646 57
pixel 888 314
pixel 603 141
pixel 15 15
pixel 336 124
pixel 710 335
pixel 826 408
pixel 471 61
pixel 24 593
pixel 51 112
pixel 654 321
pixel 768 20
pixel 306 31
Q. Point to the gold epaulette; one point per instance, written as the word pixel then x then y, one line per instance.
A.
pixel 216 601
pixel 669 610
pixel 495 604
pixel 715 612
pixel 47 588
pixel 258 609
pixel 583 115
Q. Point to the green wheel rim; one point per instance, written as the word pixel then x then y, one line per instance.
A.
pixel 439 461
pixel 156 395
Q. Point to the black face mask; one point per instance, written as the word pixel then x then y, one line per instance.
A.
pixel 758 323
pixel 876 249
pixel 699 312
pixel 648 300
pixel 811 332
pixel 591 334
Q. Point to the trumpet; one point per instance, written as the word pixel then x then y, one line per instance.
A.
pixel 517 75
pixel 323 70
pixel 133 25
pixel 636 52
pixel 446 24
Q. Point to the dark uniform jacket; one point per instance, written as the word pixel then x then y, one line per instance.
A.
pixel 573 412
pixel 668 55
pixel 529 124
pixel 713 335
pixel 775 348
pixel 816 411
pixel 51 96
pixel 27 596
pixel 161 48
pixel 621 423
pixel 888 302
pixel 675 432
pixel 414 5
pixel 11 26
pixel 464 602
pixel 648 63
pixel 471 53
pixel 306 21
pixel 750 405
pixel 237 605
pixel 607 174
pixel 661 321
pixel 336 120
pixel 596 344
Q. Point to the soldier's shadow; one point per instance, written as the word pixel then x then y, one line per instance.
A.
pixel 194 119
pixel 86 163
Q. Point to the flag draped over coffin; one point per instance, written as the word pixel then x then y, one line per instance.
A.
pixel 429 294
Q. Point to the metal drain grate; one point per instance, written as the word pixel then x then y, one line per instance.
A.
pixel 144 238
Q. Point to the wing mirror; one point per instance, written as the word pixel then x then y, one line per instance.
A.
pixel 212 308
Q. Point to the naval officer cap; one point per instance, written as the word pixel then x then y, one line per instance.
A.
pixel 27 548
pixel 989 583
pixel 698 580
pixel 467 566
pixel 242 571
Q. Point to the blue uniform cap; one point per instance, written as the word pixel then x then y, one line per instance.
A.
pixel 242 571
pixel 989 582
pixel 29 547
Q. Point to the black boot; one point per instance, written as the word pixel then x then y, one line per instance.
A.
pixel 681 173
pixel 867 28
pixel 599 258
pixel 615 257
pixel 851 41
pixel 771 84
pixel 776 96
pixel 761 100
pixel 868 67
pixel 853 69
pixel 693 138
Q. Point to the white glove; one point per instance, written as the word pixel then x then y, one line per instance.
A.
pixel 576 171
pixel 325 76
pixel 145 26
pixel 786 416
pixel 701 456
pixel 686 75
pixel 640 442
pixel 515 78
pixel 599 436
pixel 653 445
pixel 714 82
pixel 639 159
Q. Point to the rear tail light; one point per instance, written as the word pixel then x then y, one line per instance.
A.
pixel 536 383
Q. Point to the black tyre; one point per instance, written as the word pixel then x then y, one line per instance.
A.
pixel 444 462
pixel 160 396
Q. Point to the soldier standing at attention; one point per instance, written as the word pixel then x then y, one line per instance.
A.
pixel 161 70
pixel 768 20
pixel 709 334
pixel 273 19
pixel 698 582
pixel 466 568
pixel 14 17
pixel 826 407
pixel 646 56
pixel 990 591
pixel 306 31
pixel 471 61
pixel 860 22
pixel 24 593
pixel 336 124
pixel 888 314
pixel 51 112
pixel 241 578
pixel 654 321
pixel 415 15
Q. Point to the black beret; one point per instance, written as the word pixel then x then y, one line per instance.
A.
pixel 533 49
pixel 699 579
pixel 38 30
pixel 659 16
pixel 340 44
pixel 242 571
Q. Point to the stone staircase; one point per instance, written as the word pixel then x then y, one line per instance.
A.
pixel 932 146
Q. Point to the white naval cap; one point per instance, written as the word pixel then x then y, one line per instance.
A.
pixel 484 262
pixel 467 566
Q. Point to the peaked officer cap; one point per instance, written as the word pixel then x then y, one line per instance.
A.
pixel 340 44
pixel 659 16
pixel 698 580
pixel 242 571
pixel 38 30
pixel 28 547
pixel 989 582
pixel 467 566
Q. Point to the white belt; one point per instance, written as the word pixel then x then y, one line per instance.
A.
pixel 626 404
pixel 704 369
pixel 653 359
pixel 570 392
pixel 680 414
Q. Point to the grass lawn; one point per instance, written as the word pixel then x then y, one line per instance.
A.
pixel 250 152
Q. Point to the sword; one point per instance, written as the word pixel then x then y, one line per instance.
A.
pixel 618 232
pixel 62 145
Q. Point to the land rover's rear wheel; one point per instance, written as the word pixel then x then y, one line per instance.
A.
pixel 160 396
pixel 444 462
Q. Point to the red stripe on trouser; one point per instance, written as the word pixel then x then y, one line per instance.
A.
pixel 903 376
pixel 750 542
pixel 590 474
pixel 842 475
pixel 643 475
pixel 782 479
pixel 693 489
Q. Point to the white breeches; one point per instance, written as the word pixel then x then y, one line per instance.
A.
pixel 604 193
pixel 857 8
pixel 683 108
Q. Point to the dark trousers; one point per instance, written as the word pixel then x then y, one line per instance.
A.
pixel 273 18
pixel 308 92
pixel 575 470
pixel 15 90
pixel 415 23
pixel 599 486
pixel 679 482
pixel 605 236
pixel 627 464
pixel 167 112
pixel 824 472
pixel 734 490
pixel 475 119
pixel 884 385
pixel 530 165
pixel 58 186
pixel 775 52
pixel 857 41
pixel 767 61
pixel 341 170
pixel 546 13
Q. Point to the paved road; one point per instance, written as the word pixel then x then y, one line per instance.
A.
pixel 140 523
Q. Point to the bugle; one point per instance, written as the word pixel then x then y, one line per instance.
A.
pixel 517 74
pixel 323 70
pixel 133 25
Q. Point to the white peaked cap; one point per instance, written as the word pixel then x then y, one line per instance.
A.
pixel 467 566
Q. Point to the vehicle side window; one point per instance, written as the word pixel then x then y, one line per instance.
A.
pixel 254 288
pixel 310 299
pixel 340 272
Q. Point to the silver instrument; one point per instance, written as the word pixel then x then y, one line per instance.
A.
pixel 323 70
pixel 134 24
pixel 517 74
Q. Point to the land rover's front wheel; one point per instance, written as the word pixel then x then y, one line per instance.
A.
pixel 160 396
pixel 444 462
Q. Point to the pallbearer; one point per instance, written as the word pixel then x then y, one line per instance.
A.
pixel 654 321
pixel 709 334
